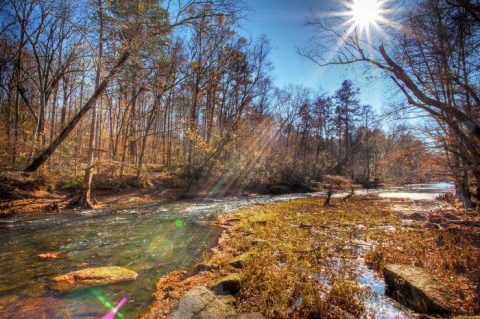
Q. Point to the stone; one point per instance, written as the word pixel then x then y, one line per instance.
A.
pixel 202 267
pixel 417 289
pixel 54 207
pixel 228 285
pixel 414 216
pixel 92 277
pixel 305 226
pixel 44 307
pixel 217 309
pixel 252 315
pixel 450 216
pixel 239 261
pixel 201 303
pixel 52 255
pixel 260 243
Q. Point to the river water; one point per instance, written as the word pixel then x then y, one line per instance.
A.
pixel 152 240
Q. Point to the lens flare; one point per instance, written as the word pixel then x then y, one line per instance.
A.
pixel 179 223
pixel 114 312
pixel 109 306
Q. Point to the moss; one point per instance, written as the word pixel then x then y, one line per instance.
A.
pixel 92 277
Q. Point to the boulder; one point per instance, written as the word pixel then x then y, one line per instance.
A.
pixel 201 303
pixel 416 289
pixel 92 277
pixel 228 285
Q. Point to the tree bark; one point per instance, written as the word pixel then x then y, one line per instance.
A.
pixel 85 198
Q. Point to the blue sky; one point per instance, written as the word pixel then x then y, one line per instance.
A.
pixel 282 21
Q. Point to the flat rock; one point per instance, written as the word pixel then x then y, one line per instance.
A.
pixel 201 303
pixel 228 285
pixel 92 277
pixel 417 289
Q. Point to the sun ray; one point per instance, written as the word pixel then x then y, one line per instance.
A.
pixel 364 17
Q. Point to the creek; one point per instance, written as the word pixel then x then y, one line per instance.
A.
pixel 152 240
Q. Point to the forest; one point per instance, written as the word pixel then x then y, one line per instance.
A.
pixel 119 90
pixel 158 159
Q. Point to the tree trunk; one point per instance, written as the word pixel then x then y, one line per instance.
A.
pixel 462 186
pixel 43 156
pixel 17 94
pixel 85 198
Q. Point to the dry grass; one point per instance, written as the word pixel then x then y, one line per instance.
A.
pixel 297 257
pixel 453 257
pixel 300 266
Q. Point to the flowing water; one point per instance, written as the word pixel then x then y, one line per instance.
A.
pixel 151 240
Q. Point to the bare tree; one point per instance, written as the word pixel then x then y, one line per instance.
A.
pixel 432 66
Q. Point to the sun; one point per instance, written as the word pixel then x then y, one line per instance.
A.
pixel 365 13
pixel 361 17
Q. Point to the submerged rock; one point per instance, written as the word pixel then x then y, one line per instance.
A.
pixel 92 277
pixel 228 285
pixel 201 303
pixel 50 255
pixel 415 288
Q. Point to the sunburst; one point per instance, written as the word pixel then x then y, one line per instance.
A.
pixel 363 15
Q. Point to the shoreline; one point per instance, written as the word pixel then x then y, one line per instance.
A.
pixel 173 286
pixel 227 257
pixel 41 202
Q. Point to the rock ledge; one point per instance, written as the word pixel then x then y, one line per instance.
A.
pixel 416 289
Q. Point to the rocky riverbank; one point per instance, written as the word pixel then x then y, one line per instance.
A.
pixel 297 259
pixel 29 193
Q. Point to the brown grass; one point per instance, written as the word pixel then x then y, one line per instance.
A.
pixel 299 254
pixel 297 258
pixel 450 256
